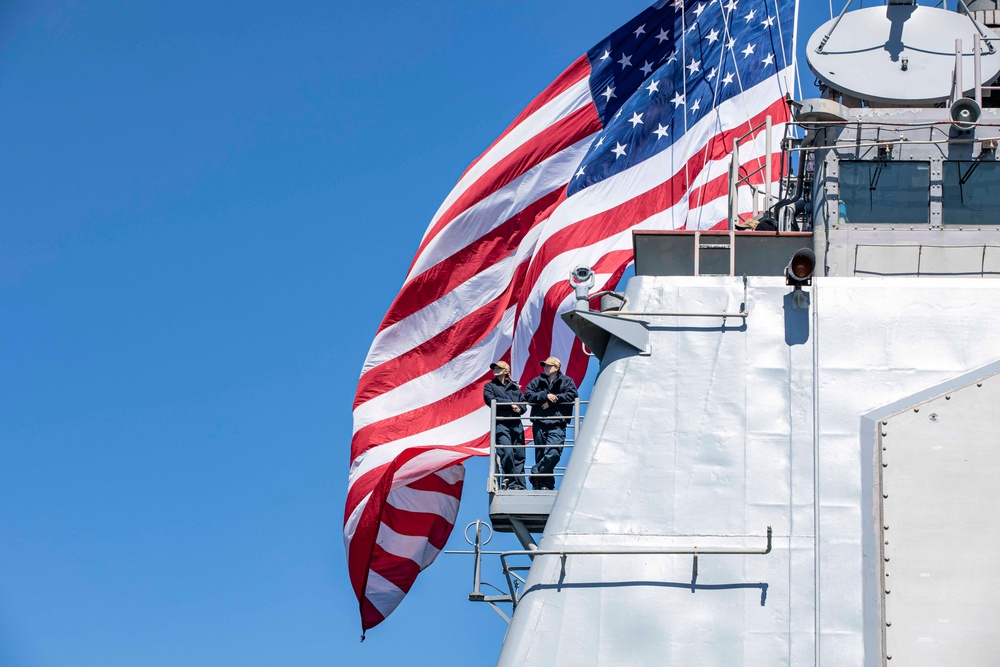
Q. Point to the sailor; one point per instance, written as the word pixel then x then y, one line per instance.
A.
pixel 508 429
pixel 552 396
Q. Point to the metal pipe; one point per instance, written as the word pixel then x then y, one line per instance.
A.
pixel 734 175
pixel 977 68
pixel 491 482
pixel 826 38
pixel 767 163
pixel 697 242
pixel 959 88
pixel 641 551
pixel 979 29
pixel 476 594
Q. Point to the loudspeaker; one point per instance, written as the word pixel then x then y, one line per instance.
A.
pixel 965 113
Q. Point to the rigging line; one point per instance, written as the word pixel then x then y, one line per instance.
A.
pixel 781 38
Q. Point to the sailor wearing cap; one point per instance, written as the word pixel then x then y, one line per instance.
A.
pixel 551 395
pixel 509 431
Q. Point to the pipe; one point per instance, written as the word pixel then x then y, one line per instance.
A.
pixel 799 180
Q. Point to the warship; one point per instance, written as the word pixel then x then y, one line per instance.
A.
pixel 789 452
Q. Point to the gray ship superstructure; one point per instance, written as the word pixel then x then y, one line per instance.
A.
pixel 790 457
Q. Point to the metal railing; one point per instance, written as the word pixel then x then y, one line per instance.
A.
pixel 495 478
pixel 516 583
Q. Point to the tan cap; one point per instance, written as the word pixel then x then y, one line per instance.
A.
pixel 501 365
pixel 552 361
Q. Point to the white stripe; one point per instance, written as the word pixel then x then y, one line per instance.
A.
pixel 436 317
pixel 436 458
pixel 439 383
pixel 432 502
pixel 417 549
pixel 461 430
pixel 432 319
pixel 382 593
pixel 570 100
pixel 452 475
pixel 495 209
pixel 351 525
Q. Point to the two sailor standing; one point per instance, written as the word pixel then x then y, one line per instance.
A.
pixel 552 396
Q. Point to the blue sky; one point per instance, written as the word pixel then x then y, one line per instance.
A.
pixel 206 209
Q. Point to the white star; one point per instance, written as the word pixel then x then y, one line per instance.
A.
pixel 618 150
pixel 662 36
pixel 636 119
pixel 711 75
pixel 749 17
pixel 694 66
pixel 608 94
pixel 694 107
pixel 660 131
pixel 694 26
pixel 699 9
pixel 641 30
pixel 626 61
pixel 653 87
pixel 646 68
pixel 731 43
pixel 749 50
pixel 731 6
pixel 607 54
pixel 678 100
pixel 769 60
pixel 579 173
pixel 600 142
pixel 728 79
pixel 678 4
pixel 673 57
pixel 713 36
pixel 768 23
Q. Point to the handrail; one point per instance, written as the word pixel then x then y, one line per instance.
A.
pixel 743 312
pixel 494 476
pixel 515 582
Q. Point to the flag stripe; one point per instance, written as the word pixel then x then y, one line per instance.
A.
pixel 562 134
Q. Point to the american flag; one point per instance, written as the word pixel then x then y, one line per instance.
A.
pixel 635 134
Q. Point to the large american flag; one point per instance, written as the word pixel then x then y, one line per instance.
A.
pixel 635 134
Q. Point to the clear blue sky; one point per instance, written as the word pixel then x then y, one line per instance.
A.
pixel 206 209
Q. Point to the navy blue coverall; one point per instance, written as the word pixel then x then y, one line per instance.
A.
pixel 550 432
pixel 509 432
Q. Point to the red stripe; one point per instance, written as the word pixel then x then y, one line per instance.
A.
pixel 580 69
pixel 416 524
pixel 436 484
pixel 435 352
pixel 719 186
pixel 371 480
pixel 394 427
pixel 398 570
pixel 467 262
pixel 560 135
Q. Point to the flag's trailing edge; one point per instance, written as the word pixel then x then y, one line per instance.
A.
pixel 636 134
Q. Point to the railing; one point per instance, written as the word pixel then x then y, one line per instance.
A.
pixel 517 583
pixel 494 481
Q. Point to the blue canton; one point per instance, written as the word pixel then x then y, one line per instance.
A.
pixel 670 67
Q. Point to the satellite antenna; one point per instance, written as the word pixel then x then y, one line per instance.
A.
pixel 901 53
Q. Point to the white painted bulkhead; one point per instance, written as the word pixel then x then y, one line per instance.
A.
pixel 711 438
